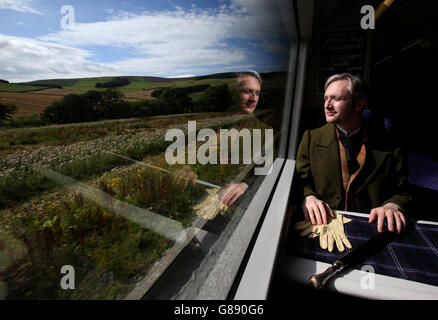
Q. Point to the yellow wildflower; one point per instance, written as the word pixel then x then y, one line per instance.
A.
pixel 115 182
pixel 139 172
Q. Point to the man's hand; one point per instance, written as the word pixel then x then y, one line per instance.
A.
pixel 390 212
pixel 232 192
pixel 184 175
pixel 316 210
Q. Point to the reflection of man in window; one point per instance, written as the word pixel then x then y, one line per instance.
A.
pixel 349 164
pixel 247 92
pixel 249 85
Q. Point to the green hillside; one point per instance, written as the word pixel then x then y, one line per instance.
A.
pixel 137 83
pixel 14 87
pixel 60 82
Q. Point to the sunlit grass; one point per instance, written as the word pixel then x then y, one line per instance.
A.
pixel 95 241
pixel 83 160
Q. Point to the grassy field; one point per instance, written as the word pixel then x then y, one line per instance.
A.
pixel 46 223
pixel 20 139
pixel 81 194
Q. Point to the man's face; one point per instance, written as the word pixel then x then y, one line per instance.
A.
pixel 248 95
pixel 338 104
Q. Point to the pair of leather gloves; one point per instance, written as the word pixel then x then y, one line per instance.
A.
pixel 211 206
pixel 329 234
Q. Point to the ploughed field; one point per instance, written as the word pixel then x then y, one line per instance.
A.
pixel 28 103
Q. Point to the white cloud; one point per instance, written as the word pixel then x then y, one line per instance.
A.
pixel 166 43
pixel 197 27
pixel 147 30
pixel 184 75
pixel 26 59
pixel 19 5
pixel 160 43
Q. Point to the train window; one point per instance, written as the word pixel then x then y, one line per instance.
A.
pixel 140 144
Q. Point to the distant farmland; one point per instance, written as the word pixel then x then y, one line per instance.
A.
pixel 33 97
pixel 28 103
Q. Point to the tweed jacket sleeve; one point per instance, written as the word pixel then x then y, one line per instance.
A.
pixel 305 183
pixel 399 174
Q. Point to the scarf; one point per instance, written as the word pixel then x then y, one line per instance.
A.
pixel 352 154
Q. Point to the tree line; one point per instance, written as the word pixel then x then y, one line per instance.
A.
pixel 116 82
pixel 192 89
pixel 6 112
pixel 111 104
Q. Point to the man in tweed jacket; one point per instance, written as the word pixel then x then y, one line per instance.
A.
pixel 349 164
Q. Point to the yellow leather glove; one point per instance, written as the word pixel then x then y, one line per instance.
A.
pixel 211 206
pixel 333 232
pixel 330 233
pixel 308 229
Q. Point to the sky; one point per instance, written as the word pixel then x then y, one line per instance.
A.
pixel 54 39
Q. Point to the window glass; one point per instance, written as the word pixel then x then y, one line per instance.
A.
pixel 133 138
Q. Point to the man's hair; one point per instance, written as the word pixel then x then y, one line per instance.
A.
pixel 356 87
pixel 254 74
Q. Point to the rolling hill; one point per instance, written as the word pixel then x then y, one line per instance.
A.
pixel 33 97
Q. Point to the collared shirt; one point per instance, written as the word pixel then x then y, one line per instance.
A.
pixel 352 133
pixel 352 143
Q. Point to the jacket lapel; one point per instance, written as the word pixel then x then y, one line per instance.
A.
pixel 373 162
pixel 327 150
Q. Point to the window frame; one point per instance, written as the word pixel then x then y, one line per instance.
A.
pixel 243 261
pixel 257 273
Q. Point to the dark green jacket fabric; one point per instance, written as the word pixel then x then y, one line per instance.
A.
pixel 382 179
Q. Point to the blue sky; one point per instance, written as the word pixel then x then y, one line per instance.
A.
pixel 167 38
